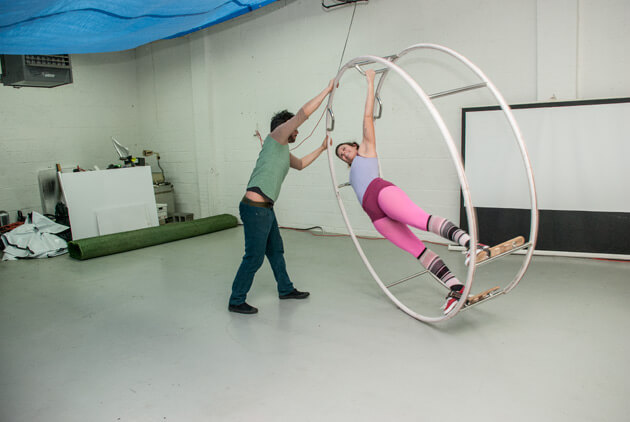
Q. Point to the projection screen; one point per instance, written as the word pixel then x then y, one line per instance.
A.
pixel 579 152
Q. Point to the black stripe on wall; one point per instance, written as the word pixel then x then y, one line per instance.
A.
pixel 570 231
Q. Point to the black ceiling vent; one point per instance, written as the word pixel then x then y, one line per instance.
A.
pixel 38 71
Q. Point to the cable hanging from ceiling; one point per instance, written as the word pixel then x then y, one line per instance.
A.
pixel 336 3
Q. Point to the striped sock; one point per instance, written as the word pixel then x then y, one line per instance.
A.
pixel 432 262
pixel 443 227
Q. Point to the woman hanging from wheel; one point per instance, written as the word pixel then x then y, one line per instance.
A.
pixel 391 210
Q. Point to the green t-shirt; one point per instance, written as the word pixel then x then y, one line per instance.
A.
pixel 271 168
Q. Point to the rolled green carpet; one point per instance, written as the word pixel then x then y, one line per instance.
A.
pixel 126 241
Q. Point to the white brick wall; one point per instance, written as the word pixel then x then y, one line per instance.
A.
pixel 70 125
pixel 166 117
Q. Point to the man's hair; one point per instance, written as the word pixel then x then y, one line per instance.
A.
pixel 279 118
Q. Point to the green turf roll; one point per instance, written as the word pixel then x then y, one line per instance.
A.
pixel 93 247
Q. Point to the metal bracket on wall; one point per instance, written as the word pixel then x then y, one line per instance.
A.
pixel 337 3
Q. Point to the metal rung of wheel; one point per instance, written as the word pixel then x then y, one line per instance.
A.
pixel 385 69
pixel 457 90
pixel 402 280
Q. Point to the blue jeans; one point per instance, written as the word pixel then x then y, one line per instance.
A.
pixel 262 238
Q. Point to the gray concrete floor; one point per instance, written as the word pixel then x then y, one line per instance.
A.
pixel 146 336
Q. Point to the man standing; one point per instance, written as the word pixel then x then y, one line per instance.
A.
pixel 262 236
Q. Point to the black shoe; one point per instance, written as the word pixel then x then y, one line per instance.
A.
pixel 295 294
pixel 243 308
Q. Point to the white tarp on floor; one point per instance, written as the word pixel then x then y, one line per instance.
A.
pixel 36 238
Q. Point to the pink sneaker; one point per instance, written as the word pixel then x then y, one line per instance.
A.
pixel 481 248
pixel 453 297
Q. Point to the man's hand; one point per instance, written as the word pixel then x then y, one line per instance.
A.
pixel 370 74
pixel 259 137
pixel 327 140
pixel 329 88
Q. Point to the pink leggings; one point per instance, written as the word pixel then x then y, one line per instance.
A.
pixel 401 212
pixel 392 211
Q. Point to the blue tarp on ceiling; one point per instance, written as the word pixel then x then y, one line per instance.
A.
pixel 97 26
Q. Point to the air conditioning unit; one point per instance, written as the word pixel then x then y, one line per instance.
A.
pixel 37 71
